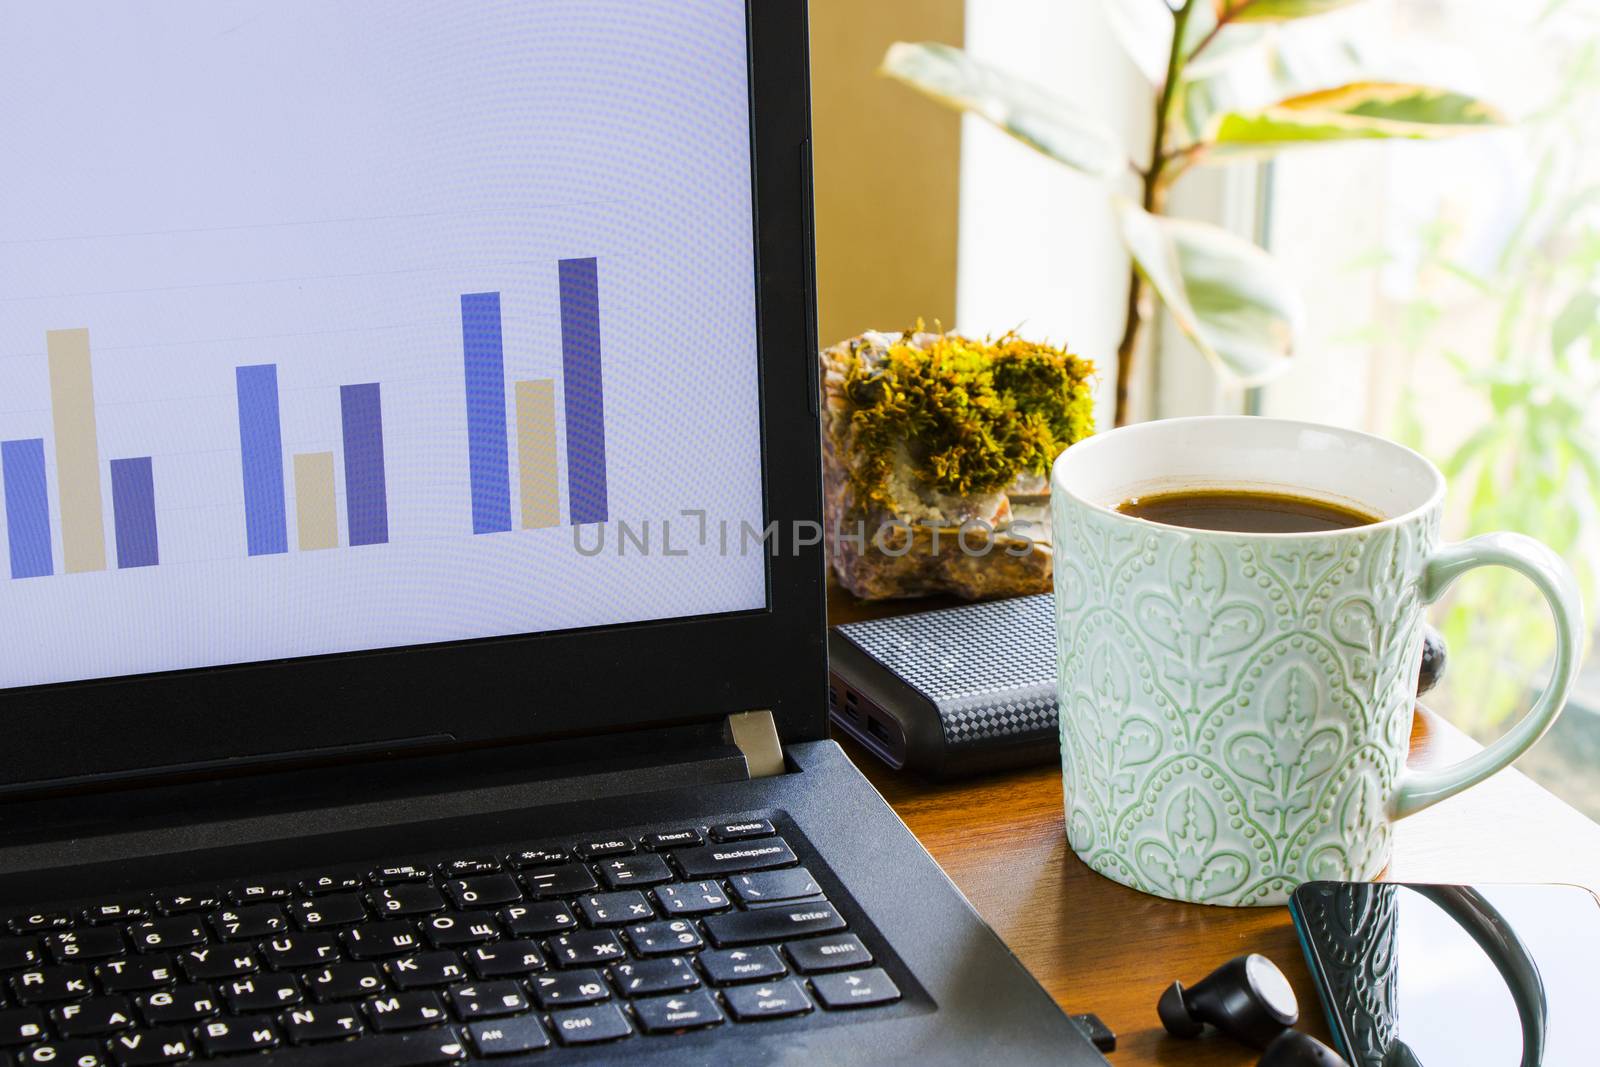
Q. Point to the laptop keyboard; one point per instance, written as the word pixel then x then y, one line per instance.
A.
pixel 617 937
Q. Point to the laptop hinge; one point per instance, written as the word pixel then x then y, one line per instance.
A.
pixel 756 735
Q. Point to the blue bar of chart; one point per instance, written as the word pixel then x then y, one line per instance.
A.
pixel 586 408
pixel 261 449
pixel 133 509
pixel 366 494
pixel 487 456
pixel 27 508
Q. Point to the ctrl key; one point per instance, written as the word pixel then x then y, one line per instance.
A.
pixel 504 1037
pixel 587 1026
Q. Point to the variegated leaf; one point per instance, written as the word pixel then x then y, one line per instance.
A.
pixel 1226 294
pixel 1274 10
pixel 1357 111
pixel 1030 113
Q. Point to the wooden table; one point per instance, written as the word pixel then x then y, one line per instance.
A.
pixel 1102 947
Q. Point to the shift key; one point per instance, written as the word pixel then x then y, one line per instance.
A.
pixel 711 861
pixel 773 924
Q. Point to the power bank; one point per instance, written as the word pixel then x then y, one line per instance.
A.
pixel 950 692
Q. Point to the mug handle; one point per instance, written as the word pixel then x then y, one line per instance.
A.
pixel 1417 790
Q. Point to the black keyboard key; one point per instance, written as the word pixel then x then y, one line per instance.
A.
pixel 469 866
pixel 376 941
pixel 50 985
pixel 396 901
pixel 137 974
pixel 455 929
pixel 83 1052
pixel 615 909
pixel 768 1000
pixel 643 978
pixel 88 943
pixel 22 1026
pixel 672 839
pixel 163 935
pixel 742 831
pixel 185 1004
pixel 567 880
pixel 537 918
pixel 714 861
pixel 731 965
pixel 417 1049
pixel 400 873
pixel 323 884
pixel 505 959
pixel 488 1000
pixel 406 1011
pixel 644 869
pixel 345 981
pixel 819 954
pixel 538 857
pixel 484 891
pixel 687 1011
pixel 225 1037
pixel 297 951
pixel 259 893
pixel 18 952
pixel 262 992
pixel 322 1022
pixel 185 903
pixel 591 1025
pixel 665 937
pixel 769 887
pixel 116 911
pixel 691 898
pixel 600 847
pixel 39 922
pixel 147 1048
pixel 773 924
pixel 94 1018
pixel 332 909
pixel 212 963
pixel 508 1037
pixel 566 988
pixel 250 923
pixel 426 970
pixel 855 989
pixel 584 948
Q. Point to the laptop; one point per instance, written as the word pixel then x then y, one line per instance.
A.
pixel 413 623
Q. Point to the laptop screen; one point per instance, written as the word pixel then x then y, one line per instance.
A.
pixel 328 327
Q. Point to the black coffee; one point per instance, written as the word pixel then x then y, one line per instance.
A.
pixel 1241 511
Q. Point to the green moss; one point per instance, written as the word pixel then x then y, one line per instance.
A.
pixel 972 414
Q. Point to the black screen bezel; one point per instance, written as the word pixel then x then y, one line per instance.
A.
pixel 533 686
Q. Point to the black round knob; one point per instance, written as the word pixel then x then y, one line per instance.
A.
pixel 1247 997
pixel 1294 1049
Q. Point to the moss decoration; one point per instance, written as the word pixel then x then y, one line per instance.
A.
pixel 972 415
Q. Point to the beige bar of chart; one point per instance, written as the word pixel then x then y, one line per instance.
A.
pixel 316 511
pixel 83 532
pixel 536 449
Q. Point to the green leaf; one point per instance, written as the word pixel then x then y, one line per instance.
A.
pixel 1357 111
pixel 1274 10
pixel 1030 113
pixel 1227 295
pixel 1576 319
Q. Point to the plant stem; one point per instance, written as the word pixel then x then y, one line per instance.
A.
pixel 1154 201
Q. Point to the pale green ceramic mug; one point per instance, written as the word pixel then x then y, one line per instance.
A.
pixel 1236 708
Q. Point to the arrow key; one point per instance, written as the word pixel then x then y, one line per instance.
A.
pixel 855 989
pixel 768 1000
pixel 730 965
pixel 686 1011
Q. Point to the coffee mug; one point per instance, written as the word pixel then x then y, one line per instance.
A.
pixel 1236 707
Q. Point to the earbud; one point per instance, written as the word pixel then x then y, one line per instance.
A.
pixel 1294 1049
pixel 1247 997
